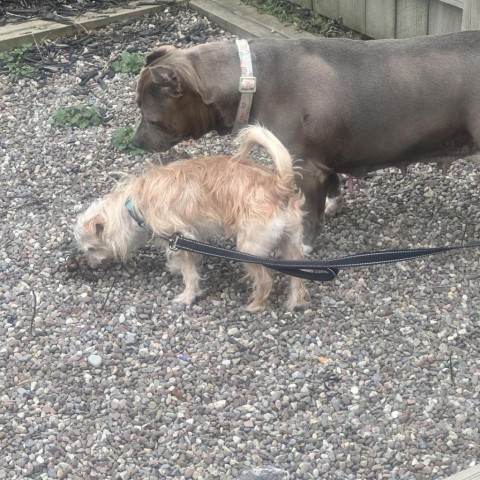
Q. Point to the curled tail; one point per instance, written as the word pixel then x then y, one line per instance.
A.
pixel 257 135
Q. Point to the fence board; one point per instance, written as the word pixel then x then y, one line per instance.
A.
pixel 327 8
pixel 353 13
pixel 380 18
pixel 455 3
pixel 412 18
pixel 471 15
pixel 443 18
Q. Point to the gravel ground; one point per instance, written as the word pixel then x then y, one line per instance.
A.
pixel 102 376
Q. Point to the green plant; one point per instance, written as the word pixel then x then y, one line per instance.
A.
pixel 77 116
pixel 13 60
pixel 122 140
pixel 128 63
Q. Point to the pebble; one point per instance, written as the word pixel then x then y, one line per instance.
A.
pixel 95 360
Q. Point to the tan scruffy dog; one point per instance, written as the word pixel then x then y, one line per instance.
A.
pixel 201 198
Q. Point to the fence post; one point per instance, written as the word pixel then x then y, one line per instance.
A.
pixel 471 15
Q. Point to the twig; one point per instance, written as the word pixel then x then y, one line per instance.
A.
pixel 16 207
pixel 54 196
pixel 38 48
pixel 156 2
pixel 108 294
pixel 34 311
pixel 23 17
pixel 53 17
pixel 452 375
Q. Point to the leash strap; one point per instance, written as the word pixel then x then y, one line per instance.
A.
pixel 317 270
pixel 247 86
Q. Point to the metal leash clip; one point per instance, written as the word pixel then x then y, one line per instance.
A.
pixel 172 242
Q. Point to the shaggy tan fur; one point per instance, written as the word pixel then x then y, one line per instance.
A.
pixel 201 198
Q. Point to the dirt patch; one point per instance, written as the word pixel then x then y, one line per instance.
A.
pixel 15 11
pixel 98 49
pixel 304 18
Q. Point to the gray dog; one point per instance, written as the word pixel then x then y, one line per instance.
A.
pixel 341 106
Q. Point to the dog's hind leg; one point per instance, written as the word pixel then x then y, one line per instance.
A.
pixel 262 286
pixel 260 244
pixel 186 263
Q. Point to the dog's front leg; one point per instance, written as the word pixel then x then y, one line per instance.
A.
pixel 291 248
pixel 186 263
pixel 314 183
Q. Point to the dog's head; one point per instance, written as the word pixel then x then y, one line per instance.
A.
pixel 181 95
pixel 91 235
pixel 106 231
pixel 171 107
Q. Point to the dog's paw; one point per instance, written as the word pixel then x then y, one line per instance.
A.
pixel 307 249
pixel 333 206
pixel 187 298
pixel 299 298
pixel 294 304
pixel 255 307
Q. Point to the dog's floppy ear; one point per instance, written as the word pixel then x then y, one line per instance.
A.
pixel 95 225
pixel 158 53
pixel 168 80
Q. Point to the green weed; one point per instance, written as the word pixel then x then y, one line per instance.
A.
pixel 13 60
pixel 77 116
pixel 128 63
pixel 122 140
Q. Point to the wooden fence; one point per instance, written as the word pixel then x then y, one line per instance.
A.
pixel 400 18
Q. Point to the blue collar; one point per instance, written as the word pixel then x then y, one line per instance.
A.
pixel 133 213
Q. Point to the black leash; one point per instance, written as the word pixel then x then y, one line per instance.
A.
pixel 318 270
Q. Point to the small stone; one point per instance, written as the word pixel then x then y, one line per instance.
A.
pixel 189 472
pixel 95 360
pixel 264 473
pixel 52 473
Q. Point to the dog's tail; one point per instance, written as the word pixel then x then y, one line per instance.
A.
pixel 257 135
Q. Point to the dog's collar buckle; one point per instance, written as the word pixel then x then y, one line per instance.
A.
pixel 247 85
pixel 172 242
